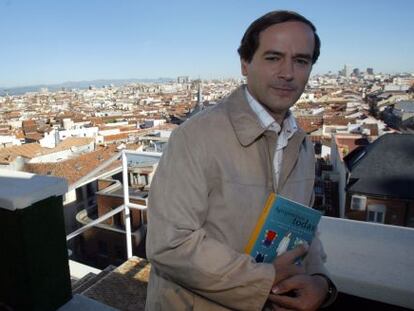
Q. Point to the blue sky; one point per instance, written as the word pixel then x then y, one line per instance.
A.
pixel 61 40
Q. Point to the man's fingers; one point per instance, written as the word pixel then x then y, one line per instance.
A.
pixel 285 266
pixel 287 285
pixel 284 301
pixel 275 307
pixel 292 255
pixel 288 272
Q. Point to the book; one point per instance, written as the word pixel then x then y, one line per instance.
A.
pixel 282 225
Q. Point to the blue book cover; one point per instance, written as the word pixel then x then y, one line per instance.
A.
pixel 282 225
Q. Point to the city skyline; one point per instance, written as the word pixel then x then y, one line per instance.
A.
pixel 49 43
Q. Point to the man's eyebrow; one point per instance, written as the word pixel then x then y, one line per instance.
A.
pixel 302 55
pixel 277 53
pixel 273 52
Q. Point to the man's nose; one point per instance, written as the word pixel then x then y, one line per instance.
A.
pixel 286 70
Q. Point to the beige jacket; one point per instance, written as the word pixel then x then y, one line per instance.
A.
pixel 210 187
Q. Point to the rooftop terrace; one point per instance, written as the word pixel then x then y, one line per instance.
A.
pixel 372 264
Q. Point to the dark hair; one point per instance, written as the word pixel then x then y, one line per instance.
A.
pixel 250 40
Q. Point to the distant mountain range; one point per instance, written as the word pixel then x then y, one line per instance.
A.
pixel 77 85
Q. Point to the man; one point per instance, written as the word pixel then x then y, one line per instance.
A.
pixel 212 182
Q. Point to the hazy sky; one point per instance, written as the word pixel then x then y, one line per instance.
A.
pixel 71 40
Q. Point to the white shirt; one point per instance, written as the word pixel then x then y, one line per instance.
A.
pixel 289 127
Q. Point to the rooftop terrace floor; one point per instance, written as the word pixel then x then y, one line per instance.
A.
pixel 125 289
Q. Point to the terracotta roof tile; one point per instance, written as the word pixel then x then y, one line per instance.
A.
pixel 74 142
pixel 33 150
pixel 27 150
pixel 115 137
pixel 74 169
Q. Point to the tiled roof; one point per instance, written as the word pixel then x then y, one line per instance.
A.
pixel 13 114
pixel 33 150
pixel 336 120
pixel 309 124
pixel 115 137
pixel 166 127
pixel 73 142
pixel 29 126
pixel 27 151
pixel 75 168
pixel 384 168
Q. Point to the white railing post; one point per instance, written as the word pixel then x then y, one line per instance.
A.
pixel 127 218
pixel 127 205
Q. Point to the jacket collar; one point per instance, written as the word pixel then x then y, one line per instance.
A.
pixel 244 120
pixel 245 123
pixel 248 129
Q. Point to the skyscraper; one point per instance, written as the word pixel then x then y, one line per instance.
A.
pixel 346 71
pixel 356 72
pixel 200 96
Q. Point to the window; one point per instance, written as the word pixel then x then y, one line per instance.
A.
pixel 358 203
pixel 376 213
pixel 102 248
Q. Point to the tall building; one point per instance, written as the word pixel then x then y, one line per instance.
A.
pixel 356 72
pixel 370 71
pixel 347 71
pixel 183 79
pixel 200 96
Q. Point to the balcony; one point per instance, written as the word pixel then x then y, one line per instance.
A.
pixel 372 264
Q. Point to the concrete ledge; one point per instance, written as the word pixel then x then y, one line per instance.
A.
pixel 370 260
pixel 19 190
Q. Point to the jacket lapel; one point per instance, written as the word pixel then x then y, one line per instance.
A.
pixel 245 123
pixel 248 129
pixel 290 157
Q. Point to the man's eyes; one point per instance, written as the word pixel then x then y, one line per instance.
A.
pixel 272 58
pixel 302 61
pixel 299 61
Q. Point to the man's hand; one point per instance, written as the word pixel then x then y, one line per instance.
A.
pixel 285 264
pixel 309 293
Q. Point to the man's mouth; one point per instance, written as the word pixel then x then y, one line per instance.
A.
pixel 283 90
pixel 286 87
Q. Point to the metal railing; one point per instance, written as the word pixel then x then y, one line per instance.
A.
pixel 127 204
pixel 360 254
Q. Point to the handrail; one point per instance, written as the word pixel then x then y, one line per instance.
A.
pixel 124 207
pixel 94 222
pixel 137 206
pixel 126 204
pixel 103 218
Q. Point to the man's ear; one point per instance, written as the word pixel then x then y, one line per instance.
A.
pixel 244 64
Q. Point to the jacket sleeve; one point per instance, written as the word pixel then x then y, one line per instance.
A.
pixel 178 246
pixel 316 257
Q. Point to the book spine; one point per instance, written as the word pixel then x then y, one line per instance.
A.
pixel 259 225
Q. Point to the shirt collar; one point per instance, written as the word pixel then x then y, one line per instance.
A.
pixel 268 122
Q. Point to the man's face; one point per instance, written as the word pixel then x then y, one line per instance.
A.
pixel 281 65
